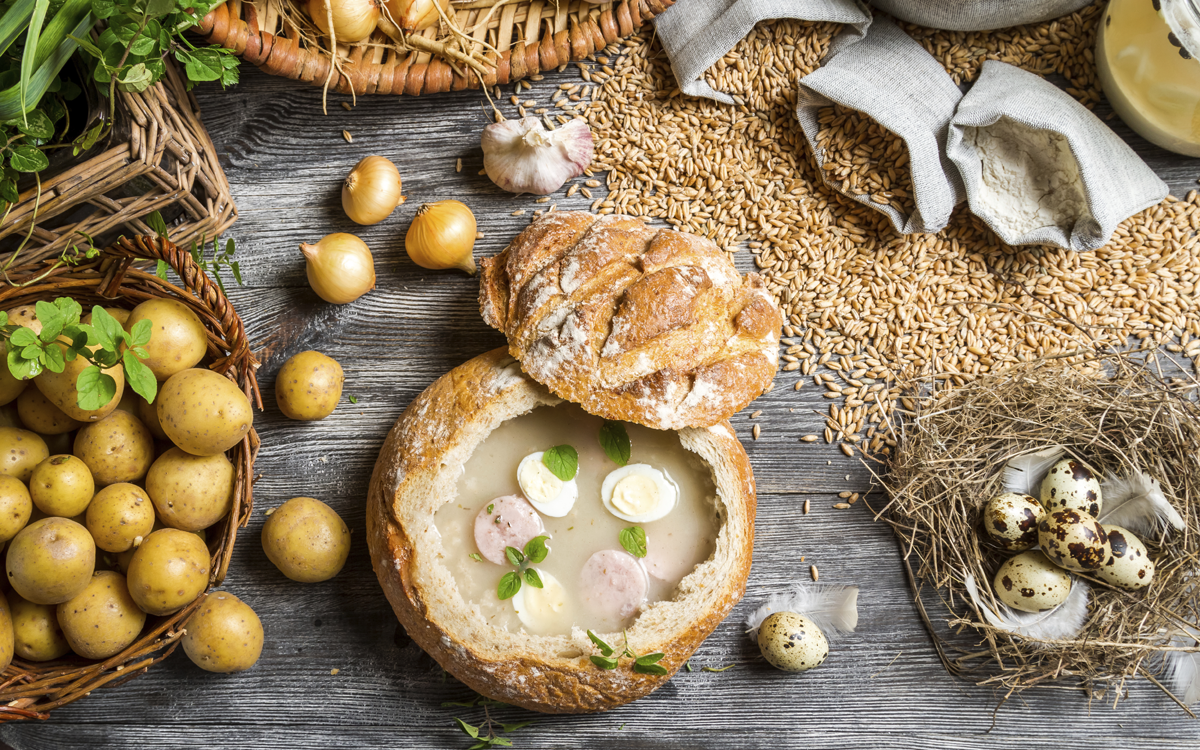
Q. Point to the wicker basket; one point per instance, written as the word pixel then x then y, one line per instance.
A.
pixel 31 689
pixel 158 158
pixel 530 35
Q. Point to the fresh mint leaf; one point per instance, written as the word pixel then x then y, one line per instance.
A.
pixel 532 578
pixel 605 649
pixel 95 388
pixel 514 555
pixel 614 439
pixel 510 584
pixel 108 325
pixel 51 318
pixel 139 335
pixel 604 662
pixel 53 359
pixel 536 549
pixel 563 462
pixel 139 377
pixel 633 539
pixel 20 367
pixel 24 337
pixel 468 729
pixel 71 310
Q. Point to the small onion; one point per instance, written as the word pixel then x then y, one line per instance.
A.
pixel 442 235
pixel 371 191
pixel 353 20
pixel 416 15
pixel 340 267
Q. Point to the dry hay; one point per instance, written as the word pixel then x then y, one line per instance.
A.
pixel 953 448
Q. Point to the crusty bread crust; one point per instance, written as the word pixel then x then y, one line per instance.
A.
pixel 416 473
pixel 644 325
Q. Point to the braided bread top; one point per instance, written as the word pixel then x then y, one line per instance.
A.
pixel 644 325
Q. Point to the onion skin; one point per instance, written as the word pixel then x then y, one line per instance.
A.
pixel 340 267
pixel 442 235
pixel 353 20
pixel 416 15
pixel 371 191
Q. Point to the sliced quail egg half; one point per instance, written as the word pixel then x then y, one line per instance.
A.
pixel 542 610
pixel 550 495
pixel 638 493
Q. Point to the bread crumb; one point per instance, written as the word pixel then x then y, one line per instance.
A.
pixel 334 671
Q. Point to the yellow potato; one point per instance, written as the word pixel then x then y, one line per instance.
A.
pixel 190 492
pixel 121 563
pixel 118 448
pixel 121 315
pixel 309 386
pixel 148 413
pixel 51 560
pixel 10 387
pixel 59 387
pixel 120 516
pixel 20 451
pixel 178 340
pixel 41 416
pixel 37 635
pixel 203 413
pixel 169 569
pixel 15 506
pixel 103 619
pixel 7 638
pixel 306 540
pixel 225 635
pixel 26 317
pixel 61 486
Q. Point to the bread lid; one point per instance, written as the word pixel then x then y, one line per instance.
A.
pixel 416 474
pixel 643 325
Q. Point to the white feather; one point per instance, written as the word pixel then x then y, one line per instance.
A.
pixel 1024 474
pixel 1137 503
pixel 1182 668
pixel 833 608
pixel 1064 621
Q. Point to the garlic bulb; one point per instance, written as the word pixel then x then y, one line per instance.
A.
pixel 521 156
pixel 371 191
pixel 442 235
pixel 353 20
pixel 416 15
pixel 340 267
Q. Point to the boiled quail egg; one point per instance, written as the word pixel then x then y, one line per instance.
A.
pixel 792 642
pixel 1071 485
pixel 550 495
pixel 1011 520
pixel 1029 582
pixel 1073 540
pixel 638 493
pixel 1128 565
pixel 543 610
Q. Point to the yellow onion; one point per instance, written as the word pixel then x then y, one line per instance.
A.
pixel 371 191
pixel 442 235
pixel 340 267
pixel 353 20
pixel 416 15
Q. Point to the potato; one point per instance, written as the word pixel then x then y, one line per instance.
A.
pixel 120 517
pixel 20 451
pixel 190 492
pixel 10 387
pixel 122 560
pixel 309 386
pixel 148 413
pixel 7 638
pixel 59 388
pixel 118 448
pixel 225 635
pixel 15 506
pixel 43 417
pixel 203 413
pixel 25 316
pixel 306 540
pixel 178 340
pixel 103 619
pixel 37 635
pixel 9 417
pixel 168 570
pixel 62 486
pixel 51 560
pixel 121 315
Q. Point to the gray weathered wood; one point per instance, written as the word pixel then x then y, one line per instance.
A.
pixel 882 687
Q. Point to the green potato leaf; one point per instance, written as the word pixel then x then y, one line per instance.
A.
pixel 563 462
pixel 95 388
pixel 614 439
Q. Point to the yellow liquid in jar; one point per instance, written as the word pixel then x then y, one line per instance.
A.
pixel 1150 84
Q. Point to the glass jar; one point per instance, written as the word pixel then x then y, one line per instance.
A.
pixel 1147 57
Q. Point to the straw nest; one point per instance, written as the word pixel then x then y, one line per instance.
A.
pixel 953 449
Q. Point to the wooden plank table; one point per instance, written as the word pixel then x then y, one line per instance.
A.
pixel 337 671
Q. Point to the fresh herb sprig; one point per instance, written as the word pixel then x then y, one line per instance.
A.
pixel 103 344
pixel 633 539
pixel 562 461
pixel 535 552
pixel 217 258
pixel 485 734
pixel 614 439
pixel 609 658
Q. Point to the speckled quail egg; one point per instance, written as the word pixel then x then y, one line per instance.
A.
pixel 1011 520
pixel 638 493
pixel 543 489
pixel 1073 540
pixel 1071 485
pixel 792 642
pixel 1029 582
pixel 1128 565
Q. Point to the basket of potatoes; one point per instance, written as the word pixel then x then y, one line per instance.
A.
pixel 126 467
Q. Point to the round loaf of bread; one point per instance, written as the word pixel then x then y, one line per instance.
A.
pixel 644 325
pixel 416 474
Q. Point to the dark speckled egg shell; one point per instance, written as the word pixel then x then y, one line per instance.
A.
pixel 1073 540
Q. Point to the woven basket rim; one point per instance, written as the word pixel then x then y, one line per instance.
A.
pixel 30 690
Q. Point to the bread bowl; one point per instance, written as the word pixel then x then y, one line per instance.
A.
pixel 417 474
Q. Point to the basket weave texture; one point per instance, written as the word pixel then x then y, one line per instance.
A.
pixel 530 35
pixel 30 690
pixel 159 158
